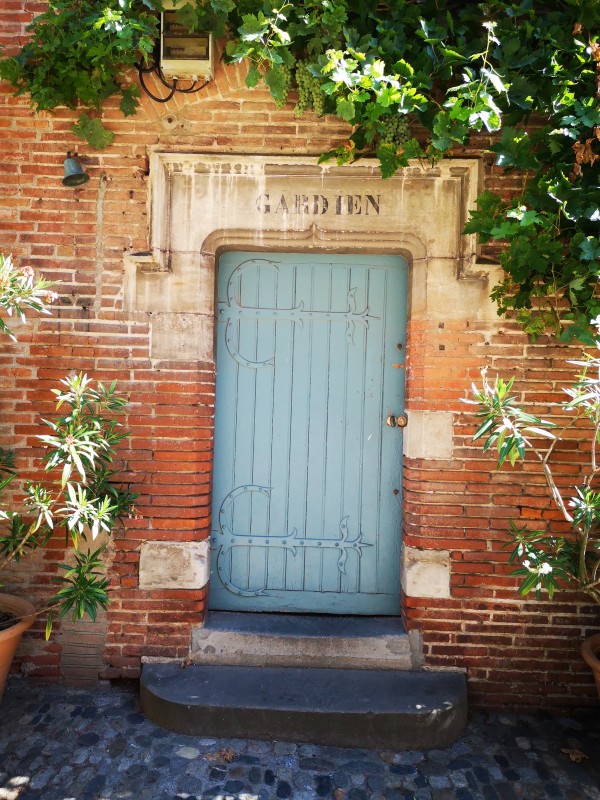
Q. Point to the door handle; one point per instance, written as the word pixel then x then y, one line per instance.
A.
pixel 401 421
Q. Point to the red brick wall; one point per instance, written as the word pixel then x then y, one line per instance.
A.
pixel 515 652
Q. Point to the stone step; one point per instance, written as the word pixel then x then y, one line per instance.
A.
pixel 345 708
pixel 301 640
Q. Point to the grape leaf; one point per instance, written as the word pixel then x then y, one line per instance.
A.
pixel 590 249
pixel 129 103
pixel 276 81
pixel 93 132
pixel 345 109
pixel 253 76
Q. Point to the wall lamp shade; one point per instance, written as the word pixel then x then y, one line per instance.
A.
pixel 75 175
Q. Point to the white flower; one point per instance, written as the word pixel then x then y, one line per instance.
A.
pixel 537 569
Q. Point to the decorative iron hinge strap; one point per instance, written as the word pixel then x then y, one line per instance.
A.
pixel 289 542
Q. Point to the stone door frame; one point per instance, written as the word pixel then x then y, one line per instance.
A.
pixel 201 205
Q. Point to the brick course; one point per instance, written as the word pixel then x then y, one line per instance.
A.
pixel 516 652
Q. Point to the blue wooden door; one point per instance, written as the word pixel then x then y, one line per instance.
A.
pixel 306 493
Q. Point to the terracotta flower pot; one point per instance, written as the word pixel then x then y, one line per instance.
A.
pixel 10 637
pixel 590 650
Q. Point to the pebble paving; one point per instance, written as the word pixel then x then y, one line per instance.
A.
pixel 61 743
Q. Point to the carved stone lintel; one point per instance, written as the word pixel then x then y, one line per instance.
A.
pixel 204 205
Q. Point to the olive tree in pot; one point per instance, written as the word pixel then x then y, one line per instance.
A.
pixel 547 561
pixel 81 495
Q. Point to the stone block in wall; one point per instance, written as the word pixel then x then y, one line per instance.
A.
pixel 183 285
pixel 174 565
pixel 183 337
pixel 448 298
pixel 429 434
pixel 426 573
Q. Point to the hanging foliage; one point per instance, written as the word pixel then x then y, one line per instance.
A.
pixel 413 79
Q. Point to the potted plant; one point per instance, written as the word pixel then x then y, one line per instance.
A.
pixel 83 499
pixel 546 560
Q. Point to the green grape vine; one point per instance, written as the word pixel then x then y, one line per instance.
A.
pixel 395 130
pixel 286 73
pixel 310 92
pixel 452 68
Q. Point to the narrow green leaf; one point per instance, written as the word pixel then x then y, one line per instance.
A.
pixel 49 622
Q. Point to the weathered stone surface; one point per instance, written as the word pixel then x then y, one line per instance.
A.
pixel 329 706
pixel 174 565
pixel 287 193
pixel 304 641
pixel 184 337
pixel 202 204
pixel 429 434
pixel 447 297
pixel 426 573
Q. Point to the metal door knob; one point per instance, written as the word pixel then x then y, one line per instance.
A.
pixel 400 421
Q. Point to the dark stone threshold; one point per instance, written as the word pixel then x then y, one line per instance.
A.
pixel 299 625
pixel 346 708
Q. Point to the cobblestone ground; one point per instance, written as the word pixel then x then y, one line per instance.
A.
pixel 68 744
